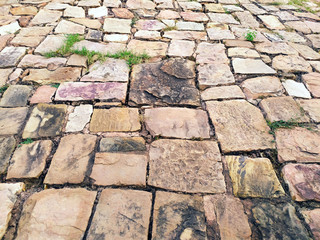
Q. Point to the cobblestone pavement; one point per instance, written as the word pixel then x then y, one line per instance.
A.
pixel 163 119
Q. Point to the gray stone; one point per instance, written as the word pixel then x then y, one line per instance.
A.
pixel 10 56
pixel 50 43
pixel 16 96
pixel 46 16
pixel 79 118
pixel 291 64
pixel 225 92
pixel 68 27
pixel 12 119
pixel 7 145
pixel 296 89
pixel 251 66
pixel 122 144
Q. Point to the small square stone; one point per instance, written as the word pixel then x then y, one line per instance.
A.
pixel 115 25
pixel 181 48
pixel 12 119
pixel 16 96
pixel 10 56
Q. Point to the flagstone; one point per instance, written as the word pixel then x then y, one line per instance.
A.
pixel 214 7
pixel 168 14
pixel 312 107
pixel 67 27
pixel 110 48
pixel 271 22
pixel 211 53
pixel 122 144
pixel 224 92
pixel 12 120
pixel 222 18
pixel 254 9
pixel 74 12
pixel 251 66
pixel 247 20
pixel 145 34
pixel 291 64
pixel 186 35
pixel 292 37
pixel 181 48
pixel 298 26
pixel 7 20
pixel 94 35
pixel 312 82
pixel 50 43
pixel 243 52
pixel 46 16
pixel 89 3
pixel 16 96
pixel 98 12
pixel 78 119
pixel 314 26
pixel 10 28
pixel 4 39
pixel 122 13
pixel 24 10
pixel 56 5
pixel 238 43
pixel 276 48
pixel 194 16
pixel 312 218
pixel 114 25
pixel 7 145
pixel 296 89
pixel 190 26
pixel 315 39
pixel 286 16
pixel 140 4
pixel 219 34
pixel 43 94
pixel 10 56
pixel 4 75
pixel 76 60
pixel 305 51
pixel 150 25
pixel 90 23
pixel 190 6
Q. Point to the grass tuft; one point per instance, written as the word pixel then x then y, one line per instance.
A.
pixel 250 35
pixel 170 28
pixel 286 124
pixel 4 88
pixel 55 85
pixel 27 141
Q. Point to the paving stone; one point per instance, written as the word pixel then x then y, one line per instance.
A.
pixel 305 51
pixel 119 169
pixel 4 39
pixel 109 48
pixel 148 35
pixel 77 61
pixel 10 28
pixel 276 48
pixel 190 6
pixel 194 16
pixel 251 66
pixel 122 144
pixel 232 8
pixel 116 38
pixel 253 177
pixel 214 75
pixel 181 48
pixel 79 91
pixel 113 25
pixel 67 27
pixel 168 14
pixel 225 92
pixel 7 20
pixel 178 216
pixel 90 23
pixel 312 82
pixel 4 75
pixel 127 219
pixel 243 52
pixel 24 10
pixel 7 145
pixel 8 197
pixel 112 3
pixel 56 5
pixel 172 163
pixel 253 8
pixel 89 3
pixel 271 22
pixel 312 107
pixel 31 36
pixel 99 12
pixel 211 53
pixel 227 213
pixel 45 121
pixel 239 126
pixel 315 39
pixel 50 43
pixel 43 94
pixel 282 108
pixel 12 119
pixel 45 16
pixel 94 35
pixel 112 70
pixel 115 120
pixel 286 16
pixel 10 56
pixel 307 15
pixel 213 7
pixel 255 88
pixel 140 4
pixel 291 64
pixel 298 26
pixel 150 25
pixel 296 89
pixel 222 18
pixel 303 181
pixel 314 26
pixel 177 122
pixel 153 49
pixel 79 118
pixel 161 83
pixel 74 12
pixel 292 37
pixel 288 225
pixel 16 96
pixel 312 218
pixel 247 19
pixel 122 13
pixel 56 213
pixel 185 35
pixel 60 75
pixel 298 144
pixel 29 160
pixel 241 32
pixel 190 26
pixel 71 160
pixel 219 34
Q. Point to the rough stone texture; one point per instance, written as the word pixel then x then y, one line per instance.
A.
pixel 312 108
pixel 24 10
pixel 288 225
pixel 275 48
pixel 312 218
pixel 16 96
pixel 10 56
pixel 37 61
pixel 253 177
pixel 121 169
pixel 79 118
pixel 251 66
pixel 315 39
pixel 56 214
pixel 178 216
pixel 90 23
pixel 271 22
pixel 45 121
pixel 211 53
pixel 137 4
pixel 71 160
pixel 303 181
pixel 291 64
pixel 181 48
pixel 312 83
pixel 43 94
pixel 282 108
pixel 239 126
pixel 50 43
pixel 227 212
pixel 177 122
pixel 153 49
pixel 67 27
pixel 225 92
pixel 122 144
pixel 4 74
pixel 29 160
pixel 11 120
pixel 115 120
pixel 305 51
pixel 126 213
pixel 114 25
pixel 7 145
pixel 8 197
pixel 187 35
pixel 298 144
pixel 259 87
pixel 78 91
pixel 45 16
pixel 243 52
pixel 172 162
pixel 296 89
pixel 170 82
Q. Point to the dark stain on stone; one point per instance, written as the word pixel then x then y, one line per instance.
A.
pixel 121 145
pixel 6 148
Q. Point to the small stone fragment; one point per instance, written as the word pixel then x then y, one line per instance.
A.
pixel 7 145
pixel 122 144
pixel 16 96
pixel 10 56
pixel 296 89
pixel 79 118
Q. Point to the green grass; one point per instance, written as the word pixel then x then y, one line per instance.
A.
pixel 168 28
pixel 55 85
pixel 250 35
pixel 27 141
pixel 70 40
pixel 286 124
pixel 4 88
pixel 297 2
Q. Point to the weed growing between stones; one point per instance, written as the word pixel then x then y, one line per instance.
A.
pixel 27 141
pixel 4 88
pixel 286 124
pixel 170 28
pixel 56 85
pixel 250 35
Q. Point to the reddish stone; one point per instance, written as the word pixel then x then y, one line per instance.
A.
pixel 24 21
pixel 43 94
pixel 312 218
pixel 122 13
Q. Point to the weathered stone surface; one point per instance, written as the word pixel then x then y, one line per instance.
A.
pixel 178 216
pixel 291 64
pixel 116 38
pixel 62 74
pixel 296 89
pixel 255 88
pixel 56 213
pixel 7 145
pixel 314 26
pixel 253 177
pixel 10 56
pixel 67 27
pixel 213 7
pixel 10 28
pixel 312 107
pixel 194 16
pixel 75 12
pixel 243 52
pixel 187 35
pixel 94 35
pixel 177 122
pixel 71 160
pixel 271 22
pixel 4 74
pixel 77 60
pixel 298 26
pixel 24 10
pixel 115 25
pixel 181 48
pixel 288 225
pixel 79 118
pixel 119 169
pixel 211 53
pixel 99 12
pixel 305 51
pixel 45 121
pixel 115 120
pixel 50 43
pixel 225 92
pixel 292 37
pixel 312 83
pixel 29 160
pixel 148 35
pixel 315 39
pixel 16 96
pixel 239 126
pixel 247 19
pixel 222 18
pixel 275 48
pixel 227 213
pixel 8 197
pixel 172 163
pixel 90 23
pixel 238 43
pixel 312 218
pixel 11 120
pixel 46 16
pixel 282 108
pixel 112 70
pixel 189 26
pixel 109 48
pixel 137 4
pixel 303 181
pixel 298 144
pixel 150 25
pixel 251 66
pixel 89 3
pixel 43 94
pixel 190 6
pixel 127 213
pixel 168 82
pixel 153 49
pixel 78 91
pixel 219 34
pixel 122 144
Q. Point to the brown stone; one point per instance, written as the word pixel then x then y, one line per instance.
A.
pixel 11 120
pixel 37 61
pixel 313 83
pixel 291 64
pixel 71 160
pixel 43 94
pixel 312 218
pixel 7 145
pixel 24 10
pixel 56 214
pixel 122 13
pixel 153 49
pixel 225 92
pixel 312 107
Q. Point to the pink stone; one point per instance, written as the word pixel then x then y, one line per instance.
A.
pixel 313 220
pixel 77 91
pixel 168 14
pixel 194 16
pixel 43 94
